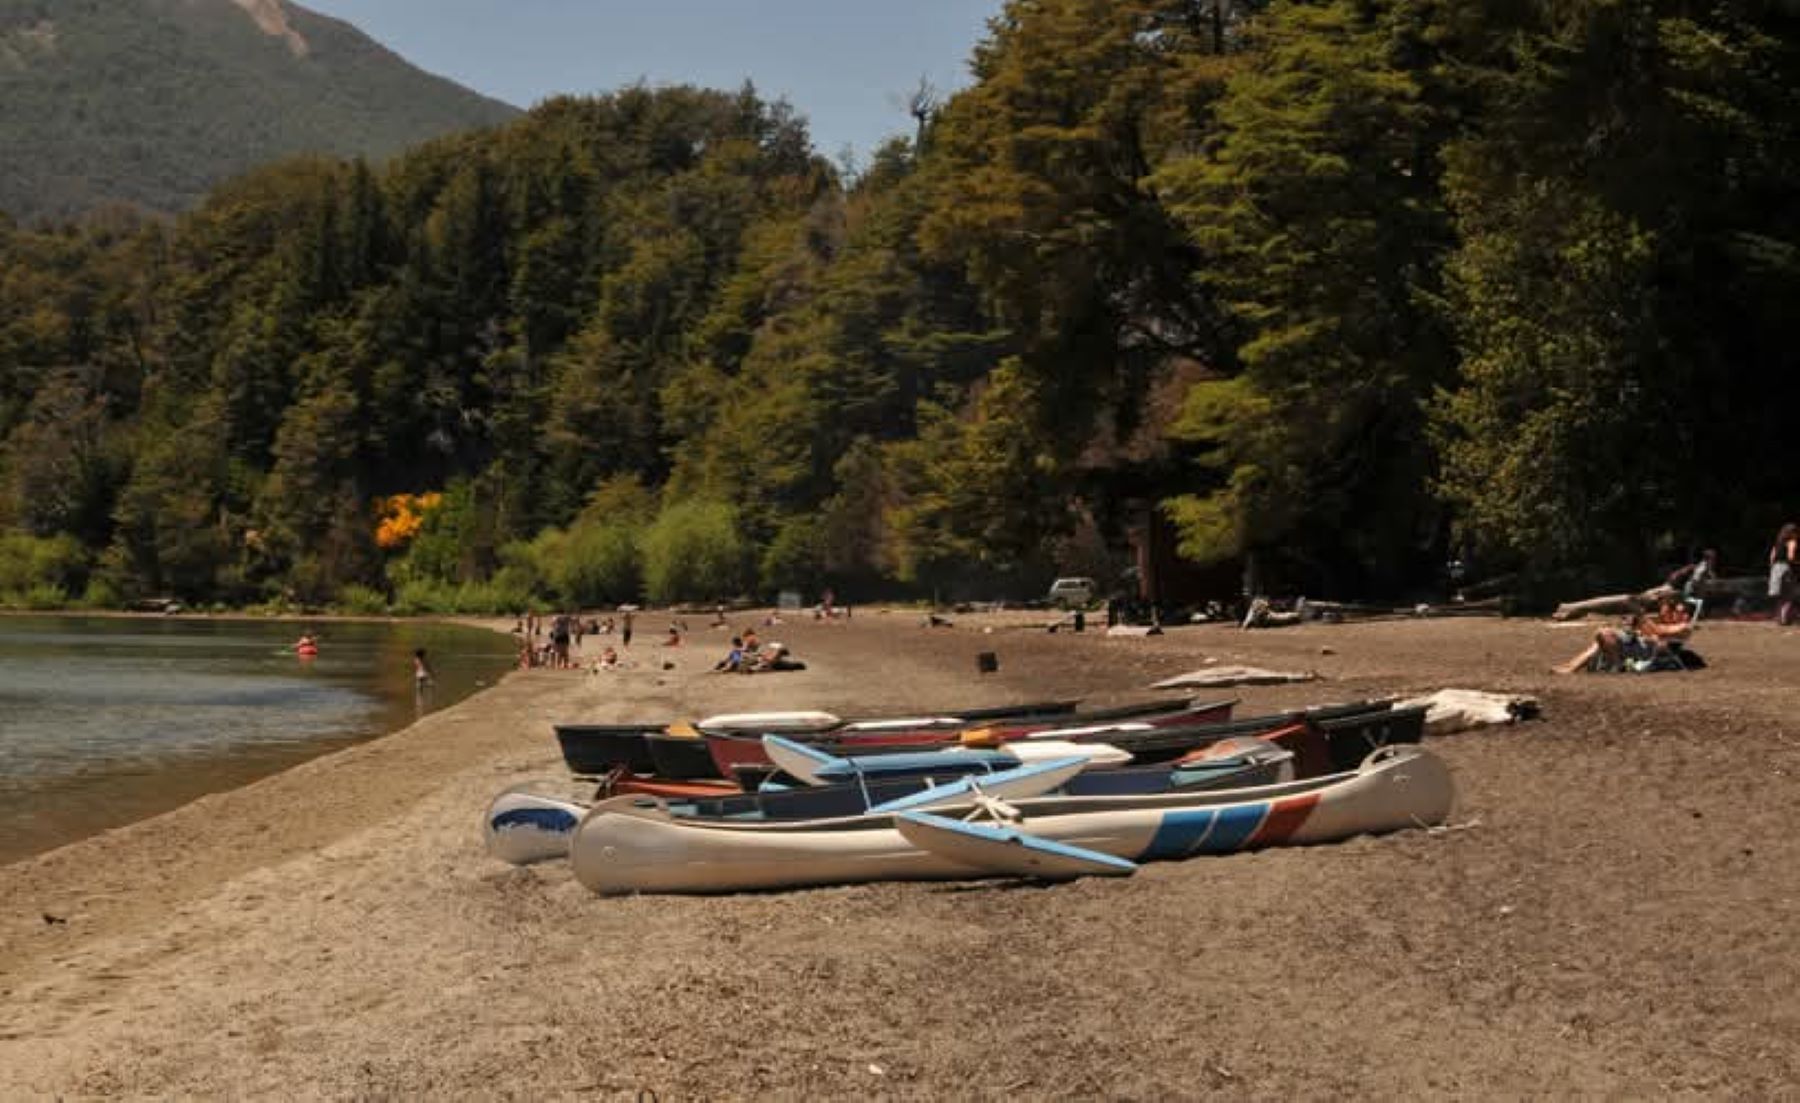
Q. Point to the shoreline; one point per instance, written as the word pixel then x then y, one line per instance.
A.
pixel 336 929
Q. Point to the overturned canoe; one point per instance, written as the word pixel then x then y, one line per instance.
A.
pixel 622 846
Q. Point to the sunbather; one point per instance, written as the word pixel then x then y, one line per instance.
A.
pixel 733 662
pixel 1635 643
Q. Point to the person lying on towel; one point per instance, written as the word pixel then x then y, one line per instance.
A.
pixel 1635 645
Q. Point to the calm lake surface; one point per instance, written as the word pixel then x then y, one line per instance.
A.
pixel 105 722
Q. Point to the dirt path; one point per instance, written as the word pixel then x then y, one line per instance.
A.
pixel 1617 913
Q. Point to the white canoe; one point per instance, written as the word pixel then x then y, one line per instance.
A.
pixel 624 846
pixel 534 823
pixel 805 763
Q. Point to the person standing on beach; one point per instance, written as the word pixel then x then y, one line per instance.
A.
pixel 1784 560
pixel 625 630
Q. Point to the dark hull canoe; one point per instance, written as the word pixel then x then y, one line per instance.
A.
pixel 733 752
pixel 1331 737
pixel 597 749
pixel 594 750
pixel 831 801
pixel 682 758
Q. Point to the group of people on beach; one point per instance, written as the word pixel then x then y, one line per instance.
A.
pixel 750 655
pixel 552 642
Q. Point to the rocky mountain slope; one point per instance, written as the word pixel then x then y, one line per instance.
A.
pixel 151 102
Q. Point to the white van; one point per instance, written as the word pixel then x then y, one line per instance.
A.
pixel 1072 593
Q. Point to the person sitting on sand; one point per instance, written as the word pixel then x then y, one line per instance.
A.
pixel 773 657
pixel 608 660
pixel 751 641
pixel 733 662
pixel 674 639
pixel 1692 579
pixel 1635 643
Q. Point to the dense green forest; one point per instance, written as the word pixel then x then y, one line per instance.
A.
pixel 1349 286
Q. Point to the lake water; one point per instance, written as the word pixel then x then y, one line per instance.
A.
pixel 105 721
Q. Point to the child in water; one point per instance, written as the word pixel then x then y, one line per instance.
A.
pixel 421 671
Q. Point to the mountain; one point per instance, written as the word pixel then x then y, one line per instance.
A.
pixel 151 102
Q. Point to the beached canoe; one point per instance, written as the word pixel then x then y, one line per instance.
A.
pixel 813 767
pixel 534 822
pixel 530 823
pixel 623 846
pixel 735 751
pixel 594 750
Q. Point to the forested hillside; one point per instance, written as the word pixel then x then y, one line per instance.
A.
pixel 150 103
pixel 1347 286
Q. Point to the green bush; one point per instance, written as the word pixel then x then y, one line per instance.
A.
pixel 594 564
pixel 30 562
pixel 425 597
pixel 792 559
pixel 498 596
pixel 41 596
pixel 506 593
pixel 362 601
pixel 694 552
pixel 101 594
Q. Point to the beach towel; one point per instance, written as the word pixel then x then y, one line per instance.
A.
pixel 1457 710
pixel 1218 677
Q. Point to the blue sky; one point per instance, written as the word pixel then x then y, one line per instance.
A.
pixel 845 64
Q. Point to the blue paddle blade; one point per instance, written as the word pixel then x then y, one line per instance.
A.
pixel 1033 779
pixel 1007 849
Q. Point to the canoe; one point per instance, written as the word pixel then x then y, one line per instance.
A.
pixel 681 757
pixel 1260 764
pixel 594 750
pixel 1340 739
pixel 530 823
pixel 597 749
pixel 622 846
pixel 534 822
pixel 813 767
pixel 734 751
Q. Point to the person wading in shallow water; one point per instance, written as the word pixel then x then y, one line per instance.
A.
pixel 422 676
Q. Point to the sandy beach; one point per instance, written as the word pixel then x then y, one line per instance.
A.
pixel 1612 913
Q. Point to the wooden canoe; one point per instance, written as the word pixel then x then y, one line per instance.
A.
pixel 621 846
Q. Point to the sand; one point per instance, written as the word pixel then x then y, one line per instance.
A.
pixel 1614 913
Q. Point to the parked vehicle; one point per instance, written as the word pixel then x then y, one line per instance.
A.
pixel 1073 593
